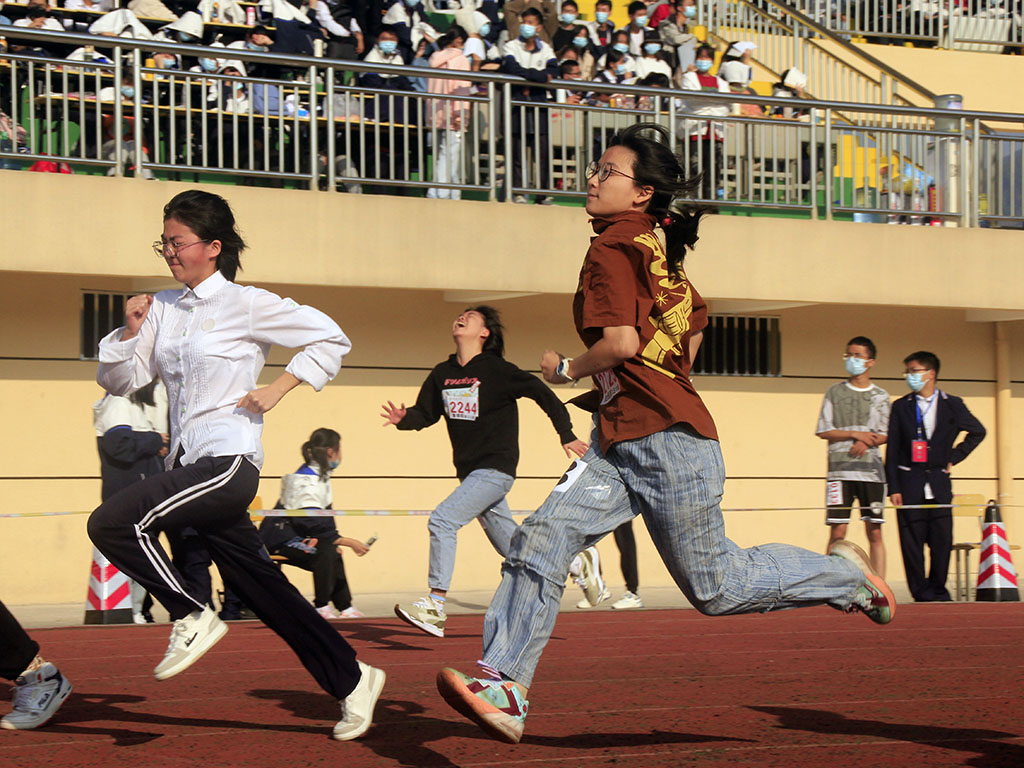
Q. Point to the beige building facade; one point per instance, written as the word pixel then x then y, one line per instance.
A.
pixel 394 272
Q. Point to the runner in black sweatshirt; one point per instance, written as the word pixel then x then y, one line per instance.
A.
pixel 476 391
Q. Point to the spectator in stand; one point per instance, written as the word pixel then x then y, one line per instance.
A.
pixel 620 43
pixel 602 27
pixel 480 51
pixel 637 26
pixel 120 23
pixel 450 117
pixel 743 52
pixel 735 74
pixel 675 33
pixel 569 70
pixel 344 35
pixel 568 25
pixel 39 17
pixel 658 11
pixel 614 73
pixel 653 80
pixel 586 55
pixel 386 51
pixel 533 60
pixel 791 87
pixel 187 30
pixel 408 22
pixel 514 10
pixel 229 95
pixel 653 58
pixel 294 31
pixel 705 135
pixel 147 9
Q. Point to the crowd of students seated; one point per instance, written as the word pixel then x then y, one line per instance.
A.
pixel 532 40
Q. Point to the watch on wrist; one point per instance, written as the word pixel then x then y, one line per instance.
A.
pixel 563 368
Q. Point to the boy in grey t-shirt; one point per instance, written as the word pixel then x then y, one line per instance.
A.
pixel 855 421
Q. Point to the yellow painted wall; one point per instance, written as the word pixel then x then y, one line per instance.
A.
pixel 773 459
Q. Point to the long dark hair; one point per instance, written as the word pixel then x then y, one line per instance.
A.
pixel 657 166
pixel 144 395
pixel 314 450
pixel 495 342
pixel 210 217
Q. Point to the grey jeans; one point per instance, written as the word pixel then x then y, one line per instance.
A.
pixel 480 496
pixel 674 479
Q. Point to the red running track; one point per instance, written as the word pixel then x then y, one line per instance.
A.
pixel 941 686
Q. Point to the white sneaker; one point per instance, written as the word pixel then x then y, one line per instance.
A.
pixel 37 696
pixel 590 580
pixel 138 618
pixel 547 200
pixel 351 613
pixel 519 199
pixel 357 708
pixel 191 637
pixel 628 600
pixel 584 603
pixel 327 612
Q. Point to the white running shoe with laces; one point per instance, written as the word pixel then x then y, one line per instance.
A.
pixel 37 696
pixel 590 580
pixel 191 637
pixel 351 613
pixel 628 600
pixel 357 707
pixel 327 612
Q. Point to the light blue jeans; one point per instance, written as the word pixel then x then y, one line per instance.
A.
pixel 480 496
pixel 674 479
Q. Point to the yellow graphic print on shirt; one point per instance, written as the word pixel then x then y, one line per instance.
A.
pixel 673 305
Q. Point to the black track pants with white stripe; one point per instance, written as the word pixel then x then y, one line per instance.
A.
pixel 17 649
pixel 212 495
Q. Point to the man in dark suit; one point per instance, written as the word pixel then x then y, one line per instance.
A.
pixel 923 426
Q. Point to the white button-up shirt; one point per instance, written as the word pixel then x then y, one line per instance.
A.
pixel 208 345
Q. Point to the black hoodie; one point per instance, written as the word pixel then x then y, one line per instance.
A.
pixel 478 402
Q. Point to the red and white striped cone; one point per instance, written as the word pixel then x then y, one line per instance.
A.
pixel 997 580
pixel 110 596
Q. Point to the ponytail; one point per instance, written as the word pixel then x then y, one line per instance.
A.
pixel 314 450
pixel 657 166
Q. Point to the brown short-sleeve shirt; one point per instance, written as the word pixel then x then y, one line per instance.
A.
pixel 625 281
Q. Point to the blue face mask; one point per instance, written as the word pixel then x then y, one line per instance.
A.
pixel 567 18
pixel 333 464
pixel 915 381
pixel 526 31
pixel 484 31
pixel 855 366
pixel 128 91
pixel 621 48
pixel 185 37
pixel 640 21
pixel 690 11
pixel 601 16
pixel 412 3
pixel 580 42
pixel 167 64
pixel 388 47
pixel 254 47
pixel 620 69
pixel 651 48
pixel 208 65
pixel 703 65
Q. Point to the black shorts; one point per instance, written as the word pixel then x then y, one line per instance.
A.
pixel 870 497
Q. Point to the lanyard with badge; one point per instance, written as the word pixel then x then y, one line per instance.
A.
pixel 919 447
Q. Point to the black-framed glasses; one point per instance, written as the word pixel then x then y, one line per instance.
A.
pixel 604 171
pixel 170 250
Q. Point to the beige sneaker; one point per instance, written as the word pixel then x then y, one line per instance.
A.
pixel 590 580
pixel 584 603
pixel 628 600
pixel 425 614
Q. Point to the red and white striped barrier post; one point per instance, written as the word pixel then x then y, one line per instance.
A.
pixel 110 596
pixel 997 580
